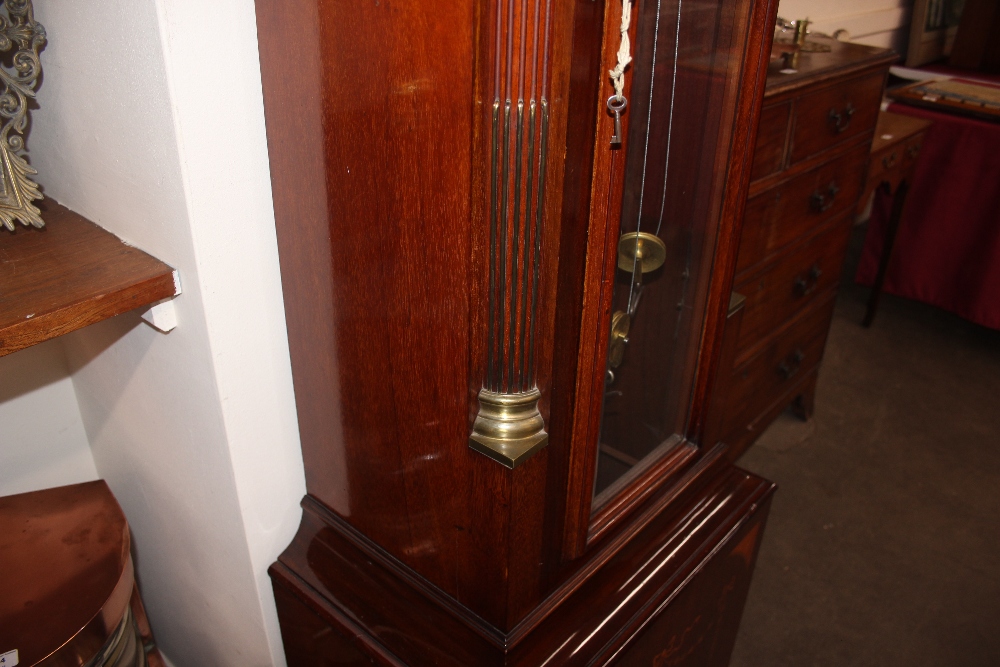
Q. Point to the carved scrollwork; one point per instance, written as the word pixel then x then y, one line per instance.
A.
pixel 20 31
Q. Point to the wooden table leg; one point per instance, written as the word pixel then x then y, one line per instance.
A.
pixel 898 200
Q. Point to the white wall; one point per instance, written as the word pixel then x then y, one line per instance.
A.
pixel 882 23
pixel 151 124
pixel 42 440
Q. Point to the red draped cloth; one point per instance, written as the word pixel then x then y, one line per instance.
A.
pixel 947 250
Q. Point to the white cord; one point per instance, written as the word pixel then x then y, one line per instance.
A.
pixel 645 153
pixel 670 123
pixel 624 51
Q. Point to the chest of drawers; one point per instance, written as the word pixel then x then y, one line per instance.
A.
pixel 808 172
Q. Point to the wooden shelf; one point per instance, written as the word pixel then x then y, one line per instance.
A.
pixel 68 275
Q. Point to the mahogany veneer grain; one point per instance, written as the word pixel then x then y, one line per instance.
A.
pixel 414 547
pixel 68 275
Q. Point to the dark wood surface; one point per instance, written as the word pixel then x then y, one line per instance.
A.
pixel 780 291
pixel 769 153
pixel 698 626
pixel 894 153
pixel 332 580
pixel 893 128
pixel 312 641
pixel 383 216
pixel 719 405
pixel 66 560
pixel 792 210
pixel 738 168
pixel 799 398
pixel 371 306
pixel 824 118
pixel 806 189
pixel 384 268
pixel 775 370
pixel 843 61
pixel 70 274
pixel 67 578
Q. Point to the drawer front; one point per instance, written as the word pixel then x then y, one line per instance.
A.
pixel 776 369
pixel 790 284
pixel 889 160
pixel 835 114
pixel 779 216
pixel 892 164
pixel 769 153
pixel 911 150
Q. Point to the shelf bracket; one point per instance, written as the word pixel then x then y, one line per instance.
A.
pixel 162 315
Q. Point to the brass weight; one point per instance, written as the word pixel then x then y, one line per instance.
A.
pixel 638 252
pixel 620 323
pixel 641 250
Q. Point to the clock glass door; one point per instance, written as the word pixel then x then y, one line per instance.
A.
pixel 680 98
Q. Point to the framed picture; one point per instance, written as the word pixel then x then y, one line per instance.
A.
pixel 932 30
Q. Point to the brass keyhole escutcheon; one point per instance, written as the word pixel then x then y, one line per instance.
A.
pixel 642 251
pixel 620 323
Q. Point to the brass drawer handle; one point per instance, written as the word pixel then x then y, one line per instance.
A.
pixel 792 364
pixel 913 151
pixel 808 284
pixel 889 161
pixel 821 201
pixel 841 120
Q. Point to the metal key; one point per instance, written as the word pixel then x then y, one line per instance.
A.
pixel 616 105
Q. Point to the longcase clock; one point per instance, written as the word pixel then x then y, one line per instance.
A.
pixel 507 233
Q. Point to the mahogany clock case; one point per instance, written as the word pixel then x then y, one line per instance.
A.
pixel 392 161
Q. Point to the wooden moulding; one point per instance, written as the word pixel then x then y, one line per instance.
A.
pixel 333 578
pixel 71 274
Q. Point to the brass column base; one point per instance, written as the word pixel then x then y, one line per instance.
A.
pixel 509 428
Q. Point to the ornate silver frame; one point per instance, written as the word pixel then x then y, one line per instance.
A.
pixel 18 29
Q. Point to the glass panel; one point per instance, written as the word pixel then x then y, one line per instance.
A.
pixel 681 104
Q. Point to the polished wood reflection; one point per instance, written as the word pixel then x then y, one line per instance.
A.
pixel 380 125
pixel 334 582
pixel 67 580
pixel 71 274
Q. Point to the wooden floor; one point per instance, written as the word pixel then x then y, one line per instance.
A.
pixel 883 546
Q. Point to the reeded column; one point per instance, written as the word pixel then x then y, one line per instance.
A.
pixel 508 427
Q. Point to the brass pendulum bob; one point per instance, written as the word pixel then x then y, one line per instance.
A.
pixel 638 253
pixel 620 323
pixel 641 252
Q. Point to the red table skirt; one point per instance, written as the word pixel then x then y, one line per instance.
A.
pixel 947 250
